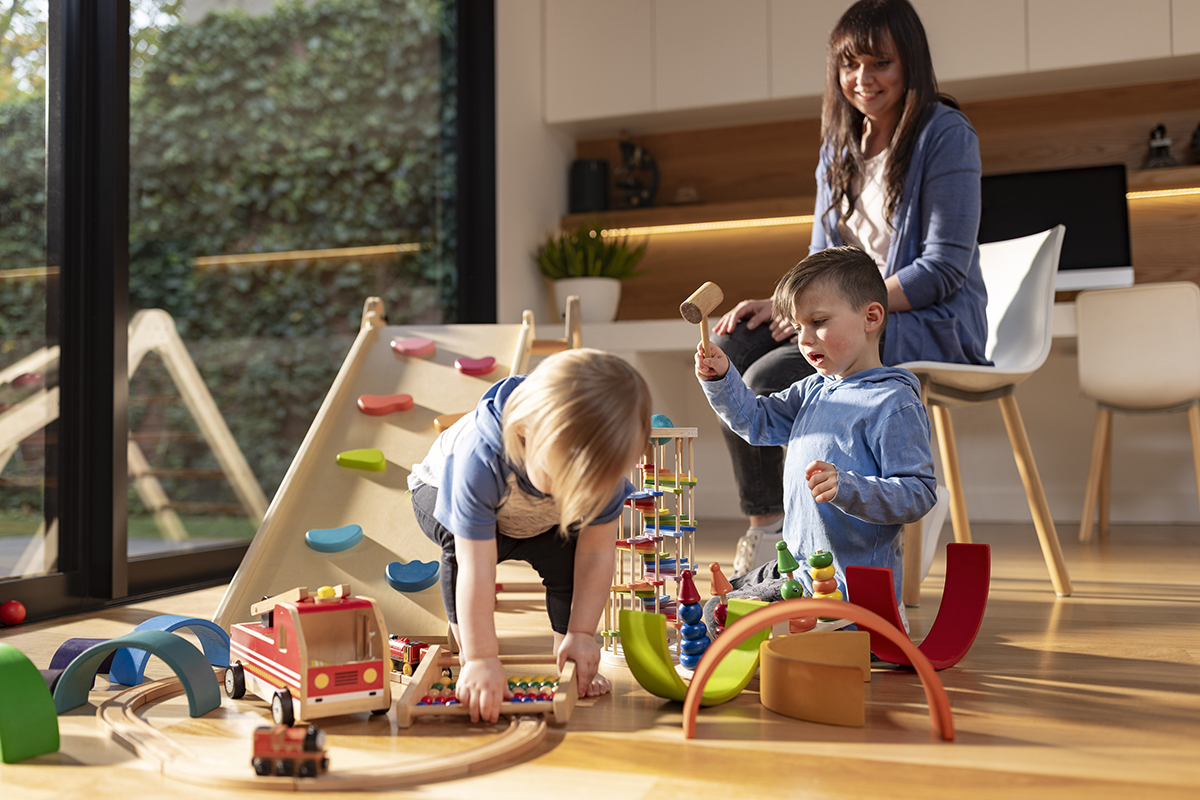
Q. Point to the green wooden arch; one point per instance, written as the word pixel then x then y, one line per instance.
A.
pixel 188 663
pixel 28 722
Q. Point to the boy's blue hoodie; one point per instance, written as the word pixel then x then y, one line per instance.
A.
pixel 872 427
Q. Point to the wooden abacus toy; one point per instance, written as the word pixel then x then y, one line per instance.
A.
pixel 428 693
pixel 662 511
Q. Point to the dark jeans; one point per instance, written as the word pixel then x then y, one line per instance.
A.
pixel 767 366
pixel 552 555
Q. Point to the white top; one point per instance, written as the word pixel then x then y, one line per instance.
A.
pixel 867 228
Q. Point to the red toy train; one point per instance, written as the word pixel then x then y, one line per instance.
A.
pixel 285 751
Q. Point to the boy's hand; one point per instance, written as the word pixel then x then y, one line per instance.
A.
pixel 482 687
pixel 583 650
pixel 822 480
pixel 714 366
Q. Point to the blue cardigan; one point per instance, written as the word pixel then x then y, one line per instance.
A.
pixel 934 250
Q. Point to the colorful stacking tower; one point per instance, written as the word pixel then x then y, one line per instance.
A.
pixel 657 534
pixel 825 586
pixel 693 632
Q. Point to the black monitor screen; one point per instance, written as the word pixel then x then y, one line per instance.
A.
pixel 1090 201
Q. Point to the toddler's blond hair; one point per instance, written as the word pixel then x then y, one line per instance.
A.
pixel 587 414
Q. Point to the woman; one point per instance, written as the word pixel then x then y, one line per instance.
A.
pixel 899 177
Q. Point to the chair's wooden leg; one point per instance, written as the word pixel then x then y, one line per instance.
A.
pixel 1042 521
pixel 574 333
pixel 1094 478
pixel 1106 476
pixel 910 583
pixel 949 452
pixel 1194 426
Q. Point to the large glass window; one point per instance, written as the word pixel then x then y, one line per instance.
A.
pixel 29 353
pixel 286 162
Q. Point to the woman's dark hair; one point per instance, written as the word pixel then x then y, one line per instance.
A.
pixel 875 27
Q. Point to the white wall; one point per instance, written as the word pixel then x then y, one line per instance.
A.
pixel 532 160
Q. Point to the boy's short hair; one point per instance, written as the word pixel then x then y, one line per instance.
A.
pixel 847 270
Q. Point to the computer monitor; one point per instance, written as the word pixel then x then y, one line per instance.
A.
pixel 1090 201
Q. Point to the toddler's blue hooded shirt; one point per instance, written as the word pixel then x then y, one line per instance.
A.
pixel 872 427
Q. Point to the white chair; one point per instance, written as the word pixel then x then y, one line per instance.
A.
pixel 1166 320
pixel 1019 275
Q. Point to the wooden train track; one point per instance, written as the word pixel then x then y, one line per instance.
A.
pixel 119 714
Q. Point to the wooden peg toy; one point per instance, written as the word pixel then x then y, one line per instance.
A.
pixel 697 308
pixel 414 346
pixel 788 565
pixel 719 587
pixel 378 405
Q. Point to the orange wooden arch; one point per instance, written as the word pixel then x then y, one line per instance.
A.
pixel 747 626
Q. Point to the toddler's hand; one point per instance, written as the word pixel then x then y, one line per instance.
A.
pixel 482 687
pixel 583 650
pixel 822 480
pixel 714 366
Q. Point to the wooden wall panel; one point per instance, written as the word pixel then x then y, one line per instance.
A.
pixel 777 160
pixel 752 162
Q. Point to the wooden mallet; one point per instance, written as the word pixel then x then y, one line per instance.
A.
pixel 696 309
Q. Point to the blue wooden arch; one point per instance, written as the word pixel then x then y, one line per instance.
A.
pixel 129 664
pixel 188 664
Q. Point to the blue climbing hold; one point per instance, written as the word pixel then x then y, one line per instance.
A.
pixel 413 576
pixel 334 540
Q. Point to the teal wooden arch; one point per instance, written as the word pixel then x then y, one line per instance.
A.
pixel 187 662
pixel 129 665
pixel 28 722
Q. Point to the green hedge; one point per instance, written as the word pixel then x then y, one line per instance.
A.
pixel 318 125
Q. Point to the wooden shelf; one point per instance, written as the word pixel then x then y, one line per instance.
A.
pixel 1140 180
pixel 697 212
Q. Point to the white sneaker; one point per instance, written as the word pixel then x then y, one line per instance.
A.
pixel 756 547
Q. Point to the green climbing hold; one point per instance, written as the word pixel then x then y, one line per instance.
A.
pixel 369 459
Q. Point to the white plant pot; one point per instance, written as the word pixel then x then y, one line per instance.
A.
pixel 598 297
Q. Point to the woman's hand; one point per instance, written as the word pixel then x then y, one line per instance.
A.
pixel 482 687
pixel 755 312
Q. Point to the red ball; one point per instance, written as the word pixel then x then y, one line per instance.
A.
pixel 12 613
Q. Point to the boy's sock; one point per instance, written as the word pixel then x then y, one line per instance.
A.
pixel 756 547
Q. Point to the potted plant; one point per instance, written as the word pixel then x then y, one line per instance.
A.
pixel 585 263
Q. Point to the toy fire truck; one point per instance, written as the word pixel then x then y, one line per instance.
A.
pixel 312 655
pixel 298 751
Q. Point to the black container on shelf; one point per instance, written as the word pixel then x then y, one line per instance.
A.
pixel 588 187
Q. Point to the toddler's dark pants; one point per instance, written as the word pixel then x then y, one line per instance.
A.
pixel 550 554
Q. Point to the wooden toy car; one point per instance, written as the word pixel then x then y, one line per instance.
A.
pixel 407 655
pixel 298 751
pixel 312 655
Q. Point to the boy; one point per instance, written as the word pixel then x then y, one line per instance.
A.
pixel 858 464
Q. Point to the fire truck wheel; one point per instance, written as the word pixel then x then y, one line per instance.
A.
pixel 261 766
pixel 307 769
pixel 281 710
pixel 235 681
pixel 283 767
pixel 379 712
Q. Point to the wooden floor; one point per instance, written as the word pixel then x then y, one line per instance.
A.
pixel 1092 696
